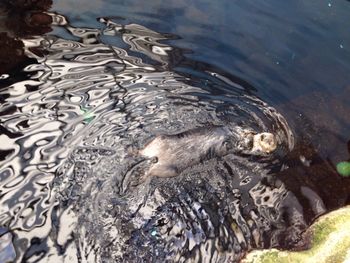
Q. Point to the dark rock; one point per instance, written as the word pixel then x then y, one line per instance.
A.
pixel 29 4
pixel 11 53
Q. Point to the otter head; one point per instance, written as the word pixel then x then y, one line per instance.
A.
pixel 264 142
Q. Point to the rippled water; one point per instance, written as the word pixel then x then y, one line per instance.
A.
pixel 74 187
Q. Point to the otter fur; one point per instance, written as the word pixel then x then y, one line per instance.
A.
pixel 174 153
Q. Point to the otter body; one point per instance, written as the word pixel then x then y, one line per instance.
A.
pixel 174 153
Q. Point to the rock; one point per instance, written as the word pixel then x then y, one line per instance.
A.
pixel 329 242
pixel 25 18
pixel 30 4
pixel 20 19
pixel 11 53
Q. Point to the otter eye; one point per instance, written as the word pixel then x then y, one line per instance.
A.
pixel 262 136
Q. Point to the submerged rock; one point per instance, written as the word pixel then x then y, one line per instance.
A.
pixel 20 18
pixel 11 53
pixel 329 241
pixel 29 4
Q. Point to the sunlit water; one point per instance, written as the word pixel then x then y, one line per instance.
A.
pixel 72 181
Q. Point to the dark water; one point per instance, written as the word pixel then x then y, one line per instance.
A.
pixel 78 99
pixel 295 53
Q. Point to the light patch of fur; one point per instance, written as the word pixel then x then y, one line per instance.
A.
pixel 175 153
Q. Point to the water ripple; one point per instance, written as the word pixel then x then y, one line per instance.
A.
pixel 73 133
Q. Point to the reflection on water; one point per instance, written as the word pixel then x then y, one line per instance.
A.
pixel 72 182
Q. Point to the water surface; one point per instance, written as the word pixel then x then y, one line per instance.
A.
pixel 87 91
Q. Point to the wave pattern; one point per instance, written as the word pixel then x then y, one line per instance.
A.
pixel 69 184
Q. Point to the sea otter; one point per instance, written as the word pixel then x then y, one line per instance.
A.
pixel 174 153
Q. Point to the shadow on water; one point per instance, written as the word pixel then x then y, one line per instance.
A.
pixel 76 108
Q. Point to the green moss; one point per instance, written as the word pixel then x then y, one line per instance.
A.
pixel 343 168
pixel 330 243
pixel 271 257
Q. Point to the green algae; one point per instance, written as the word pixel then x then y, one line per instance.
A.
pixel 343 168
pixel 330 243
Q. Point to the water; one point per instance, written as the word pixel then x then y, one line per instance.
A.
pixel 95 91
pixel 293 53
